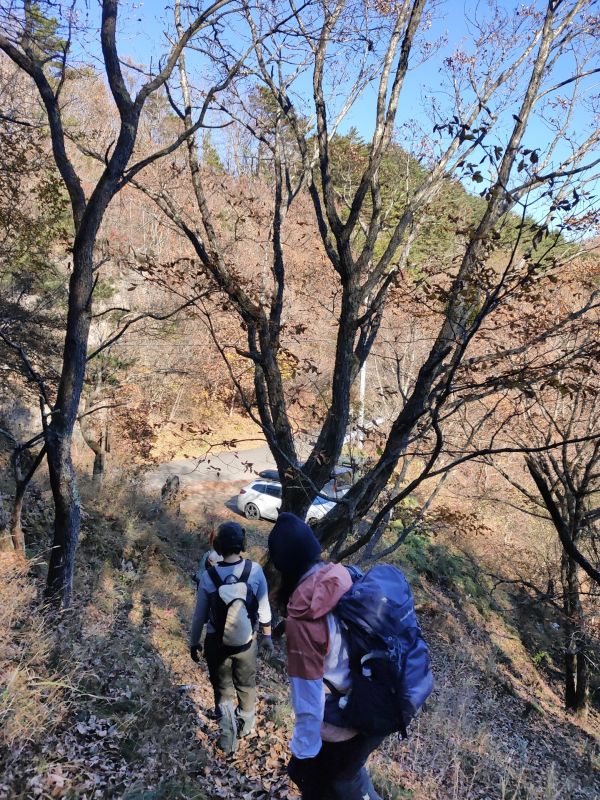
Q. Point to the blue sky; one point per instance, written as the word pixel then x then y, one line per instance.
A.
pixel 141 37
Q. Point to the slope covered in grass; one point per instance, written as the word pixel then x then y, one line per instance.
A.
pixel 105 702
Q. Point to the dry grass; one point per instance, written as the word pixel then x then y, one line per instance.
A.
pixel 32 701
pixel 127 728
pixel 113 721
pixel 482 739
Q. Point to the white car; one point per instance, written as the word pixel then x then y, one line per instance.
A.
pixel 341 479
pixel 262 500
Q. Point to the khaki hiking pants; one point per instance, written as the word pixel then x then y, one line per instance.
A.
pixel 233 677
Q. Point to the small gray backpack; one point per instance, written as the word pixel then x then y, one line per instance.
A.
pixel 234 609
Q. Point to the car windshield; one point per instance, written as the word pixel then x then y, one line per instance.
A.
pixel 343 477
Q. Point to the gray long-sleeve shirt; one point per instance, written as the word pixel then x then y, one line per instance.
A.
pixel 256 581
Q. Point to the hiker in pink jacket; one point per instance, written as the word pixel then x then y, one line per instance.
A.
pixel 328 760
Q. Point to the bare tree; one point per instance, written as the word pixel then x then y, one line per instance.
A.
pixel 569 481
pixel 24 466
pixel 564 489
pixel 515 74
pixel 569 485
pixel 42 48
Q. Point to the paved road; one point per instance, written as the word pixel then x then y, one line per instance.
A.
pixel 229 466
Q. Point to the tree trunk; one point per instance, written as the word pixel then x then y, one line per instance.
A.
pixel 569 656
pixel 97 442
pixel 59 431
pixel 175 404
pixel 98 468
pixel 582 695
pixel 101 453
pixel 21 483
pixel 67 518
pixel 570 677
pixel 5 544
pixel 16 531
pixel 576 661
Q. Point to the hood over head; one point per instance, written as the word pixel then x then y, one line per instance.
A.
pixel 293 547
pixel 320 592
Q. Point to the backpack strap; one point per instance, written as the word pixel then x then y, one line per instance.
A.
pixel 251 598
pixel 215 577
pixel 245 572
pixel 332 688
pixel 355 572
pixel 218 580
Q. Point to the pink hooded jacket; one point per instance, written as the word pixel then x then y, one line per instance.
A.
pixel 316 650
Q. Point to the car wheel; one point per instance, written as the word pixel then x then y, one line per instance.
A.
pixel 251 511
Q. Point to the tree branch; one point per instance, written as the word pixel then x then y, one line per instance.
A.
pixel 146 315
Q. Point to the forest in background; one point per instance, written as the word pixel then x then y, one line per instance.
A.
pixel 198 255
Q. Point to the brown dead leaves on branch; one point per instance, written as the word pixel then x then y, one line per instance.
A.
pixel 385 7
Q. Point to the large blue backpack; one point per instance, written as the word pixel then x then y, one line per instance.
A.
pixel 389 660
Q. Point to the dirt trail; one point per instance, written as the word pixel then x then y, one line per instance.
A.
pixel 258 768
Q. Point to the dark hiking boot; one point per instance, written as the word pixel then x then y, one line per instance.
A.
pixel 245 723
pixel 228 724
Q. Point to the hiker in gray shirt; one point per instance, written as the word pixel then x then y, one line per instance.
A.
pixel 232 599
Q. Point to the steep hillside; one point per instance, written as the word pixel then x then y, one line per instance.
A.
pixel 104 702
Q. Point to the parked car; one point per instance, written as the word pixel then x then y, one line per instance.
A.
pixel 262 500
pixel 318 509
pixel 269 475
pixel 341 478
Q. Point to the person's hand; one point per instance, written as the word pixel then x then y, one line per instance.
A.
pixel 279 629
pixel 195 653
pixel 266 647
